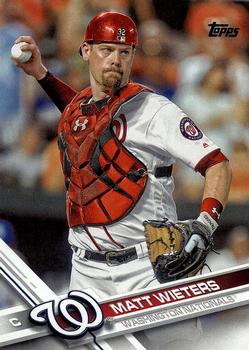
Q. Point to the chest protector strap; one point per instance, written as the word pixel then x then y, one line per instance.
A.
pixel 104 180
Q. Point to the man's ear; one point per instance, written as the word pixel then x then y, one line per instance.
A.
pixel 85 51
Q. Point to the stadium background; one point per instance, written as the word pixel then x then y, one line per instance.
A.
pixel 206 76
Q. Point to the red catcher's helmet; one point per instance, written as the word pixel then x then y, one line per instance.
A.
pixel 112 27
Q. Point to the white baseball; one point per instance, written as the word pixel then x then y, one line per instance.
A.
pixel 18 54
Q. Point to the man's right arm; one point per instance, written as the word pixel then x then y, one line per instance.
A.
pixel 58 91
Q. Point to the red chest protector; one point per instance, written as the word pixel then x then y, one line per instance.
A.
pixel 104 180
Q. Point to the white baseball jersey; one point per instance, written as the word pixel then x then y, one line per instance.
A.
pixel 158 133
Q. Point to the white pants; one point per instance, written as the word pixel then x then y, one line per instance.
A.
pixel 138 274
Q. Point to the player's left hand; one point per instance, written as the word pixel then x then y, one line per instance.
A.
pixel 177 250
pixel 199 234
pixel 193 255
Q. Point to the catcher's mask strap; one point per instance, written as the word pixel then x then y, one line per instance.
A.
pixel 163 171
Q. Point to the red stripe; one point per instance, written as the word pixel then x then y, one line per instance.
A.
pixel 122 117
pixel 209 160
pixel 110 237
pixel 117 125
pixel 91 237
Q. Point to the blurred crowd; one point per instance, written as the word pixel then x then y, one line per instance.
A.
pixel 205 76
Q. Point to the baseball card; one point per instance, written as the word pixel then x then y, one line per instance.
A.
pixel 124 175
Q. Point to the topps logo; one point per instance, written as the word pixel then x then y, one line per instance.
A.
pixel 222 30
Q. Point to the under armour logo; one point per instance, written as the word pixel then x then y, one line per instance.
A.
pixel 214 210
pixel 79 124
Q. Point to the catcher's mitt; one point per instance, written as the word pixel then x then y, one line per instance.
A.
pixel 166 246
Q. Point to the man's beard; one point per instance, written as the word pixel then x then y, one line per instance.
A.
pixel 112 80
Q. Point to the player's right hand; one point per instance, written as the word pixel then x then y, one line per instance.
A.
pixel 34 66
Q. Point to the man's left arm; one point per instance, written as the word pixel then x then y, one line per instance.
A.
pixel 217 172
pixel 216 189
pixel 217 182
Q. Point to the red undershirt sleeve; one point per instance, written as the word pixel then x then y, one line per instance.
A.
pixel 59 92
pixel 209 160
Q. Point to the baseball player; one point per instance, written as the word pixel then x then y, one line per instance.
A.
pixel 118 142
